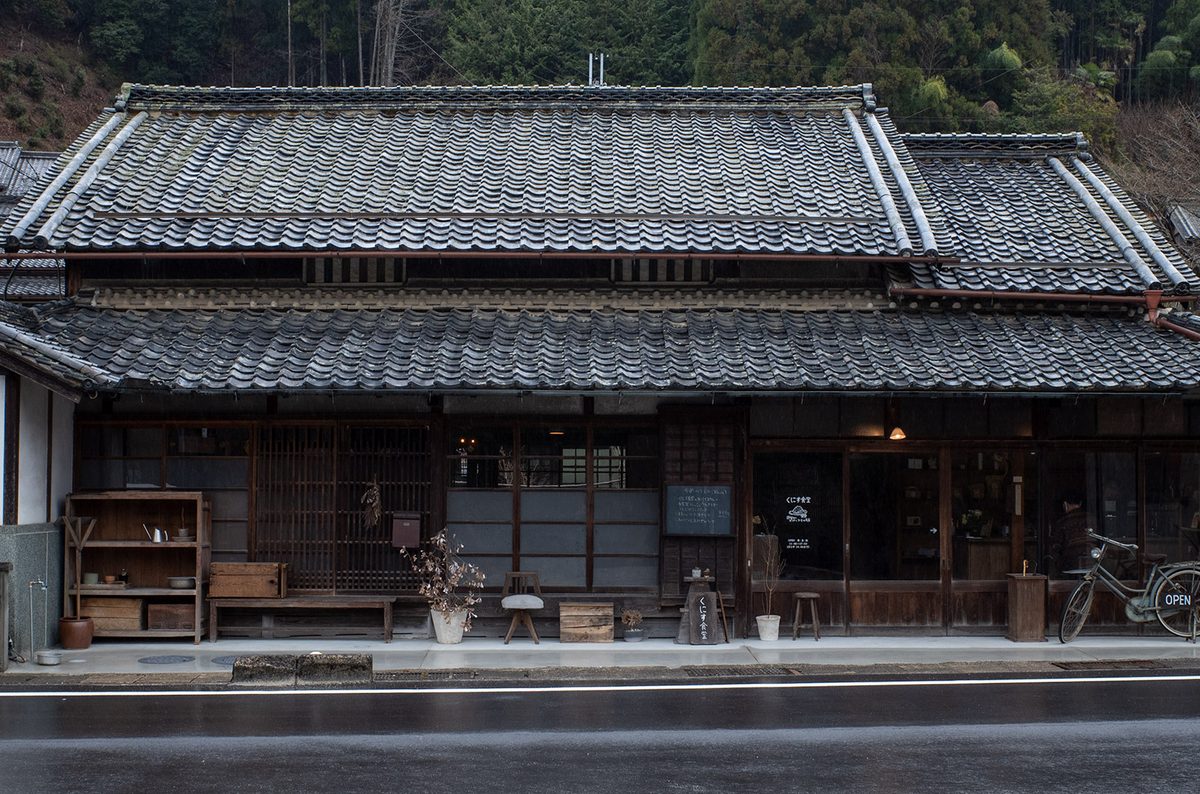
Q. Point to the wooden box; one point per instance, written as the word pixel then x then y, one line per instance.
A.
pixel 165 617
pixel 579 622
pixel 248 580
pixel 1026 608
pixel 114 614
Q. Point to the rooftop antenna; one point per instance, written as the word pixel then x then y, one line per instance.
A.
pixel 591 77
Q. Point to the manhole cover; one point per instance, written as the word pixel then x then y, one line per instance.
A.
pixel 166 659
pixel 224 660
pixel 1119 664
pixel 723 671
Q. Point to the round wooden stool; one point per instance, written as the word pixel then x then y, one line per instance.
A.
pixel 799 599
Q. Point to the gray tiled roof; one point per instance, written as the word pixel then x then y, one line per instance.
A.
pixel 20 171
pixel 608 350
pixel 484 169
pixel 1186 222
pixel 1005 204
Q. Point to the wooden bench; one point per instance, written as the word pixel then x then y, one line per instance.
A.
pixel 304 602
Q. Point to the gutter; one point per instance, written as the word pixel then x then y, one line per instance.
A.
pixel 1151 299
pixel 400 254
pixel 1068 297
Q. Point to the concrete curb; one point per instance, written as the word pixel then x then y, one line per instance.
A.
pixel 315 669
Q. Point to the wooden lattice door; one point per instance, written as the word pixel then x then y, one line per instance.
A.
pixel 400 460
pixel 294 502
pixel 309 502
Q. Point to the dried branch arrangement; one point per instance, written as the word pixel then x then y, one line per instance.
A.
pixel 442 573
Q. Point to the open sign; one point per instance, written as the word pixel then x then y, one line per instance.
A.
pixel 1176 600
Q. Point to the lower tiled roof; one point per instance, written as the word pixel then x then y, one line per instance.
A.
pixel 613 349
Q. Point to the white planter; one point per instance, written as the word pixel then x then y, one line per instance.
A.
pixel 768 627
pixel 448 628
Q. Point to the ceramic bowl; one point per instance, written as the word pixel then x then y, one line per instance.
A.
pixel 181 582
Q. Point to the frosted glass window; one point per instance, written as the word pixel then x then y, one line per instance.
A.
pixel 556 571
pixel 553 539
pixel 625 539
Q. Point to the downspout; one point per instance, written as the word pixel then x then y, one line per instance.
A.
pixel 1152 301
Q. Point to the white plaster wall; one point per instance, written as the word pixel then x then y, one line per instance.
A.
pixel 63 466
pixel 31 474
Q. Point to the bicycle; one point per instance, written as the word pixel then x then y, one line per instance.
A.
pixel 1171 594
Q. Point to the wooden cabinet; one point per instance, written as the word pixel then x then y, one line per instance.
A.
pixel 105 534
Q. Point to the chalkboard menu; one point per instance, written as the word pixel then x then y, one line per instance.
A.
pixel 698 510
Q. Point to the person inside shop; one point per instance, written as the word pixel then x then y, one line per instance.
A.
pixel 1069 541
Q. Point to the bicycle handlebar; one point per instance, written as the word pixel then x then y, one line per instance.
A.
pixel 1132 547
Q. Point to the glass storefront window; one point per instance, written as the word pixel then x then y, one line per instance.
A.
pixel 608 541
pixel 894 509
pixel 1173 505
pixel 992 494
pixel 798 513
pixel 1087 490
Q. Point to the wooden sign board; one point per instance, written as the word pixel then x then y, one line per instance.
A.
pixel 699 510
pixel 703 625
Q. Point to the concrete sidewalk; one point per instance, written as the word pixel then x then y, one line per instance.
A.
pixel 489 658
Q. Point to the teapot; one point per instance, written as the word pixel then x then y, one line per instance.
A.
pixel 157 535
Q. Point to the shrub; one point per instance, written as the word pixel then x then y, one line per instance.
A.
pixel 35 87
pixel 78 81
pixel 14 106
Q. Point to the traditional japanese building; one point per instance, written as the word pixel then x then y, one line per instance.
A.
pixel 611 335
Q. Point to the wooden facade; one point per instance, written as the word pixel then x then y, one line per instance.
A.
pixel 306 481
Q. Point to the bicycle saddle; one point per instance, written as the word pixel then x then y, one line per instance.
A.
pixel 1151 559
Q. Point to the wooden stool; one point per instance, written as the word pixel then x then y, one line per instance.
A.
pixel 799 599
pixel 521 593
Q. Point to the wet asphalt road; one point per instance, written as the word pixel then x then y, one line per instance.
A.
pixel 1097 736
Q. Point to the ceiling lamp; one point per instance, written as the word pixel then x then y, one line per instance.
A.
pixel 897 434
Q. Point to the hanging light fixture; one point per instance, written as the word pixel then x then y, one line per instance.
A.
pixel 897 434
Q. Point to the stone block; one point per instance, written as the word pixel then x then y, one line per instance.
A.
pixel 335 668
pixel 265 670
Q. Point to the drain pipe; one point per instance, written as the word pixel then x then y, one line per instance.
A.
pixel 32 644
pixel 1152 301
pixel 1070 297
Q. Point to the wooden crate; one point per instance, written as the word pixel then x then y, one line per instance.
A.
pixel 248 580
pixel 585 622
pixel 114 614
pixel 162 617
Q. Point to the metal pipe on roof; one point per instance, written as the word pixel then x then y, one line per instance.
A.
pixel 1131 256
pixel 1068 297
pixel 881 188
pixel 928 243
pixel 51 225
pixel 14 237
pixel 346 254
pixel 1179 329
pixel 1177 278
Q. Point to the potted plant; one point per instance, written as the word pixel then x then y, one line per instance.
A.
pixel 442 573
pixel 768 624
pixel 632 618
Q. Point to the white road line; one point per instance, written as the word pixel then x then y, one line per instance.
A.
pixel 1126 679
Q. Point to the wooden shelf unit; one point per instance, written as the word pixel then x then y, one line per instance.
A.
pixel 103 534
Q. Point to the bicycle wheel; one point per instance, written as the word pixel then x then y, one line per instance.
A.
pixel 1075 611
pixel 1177 598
